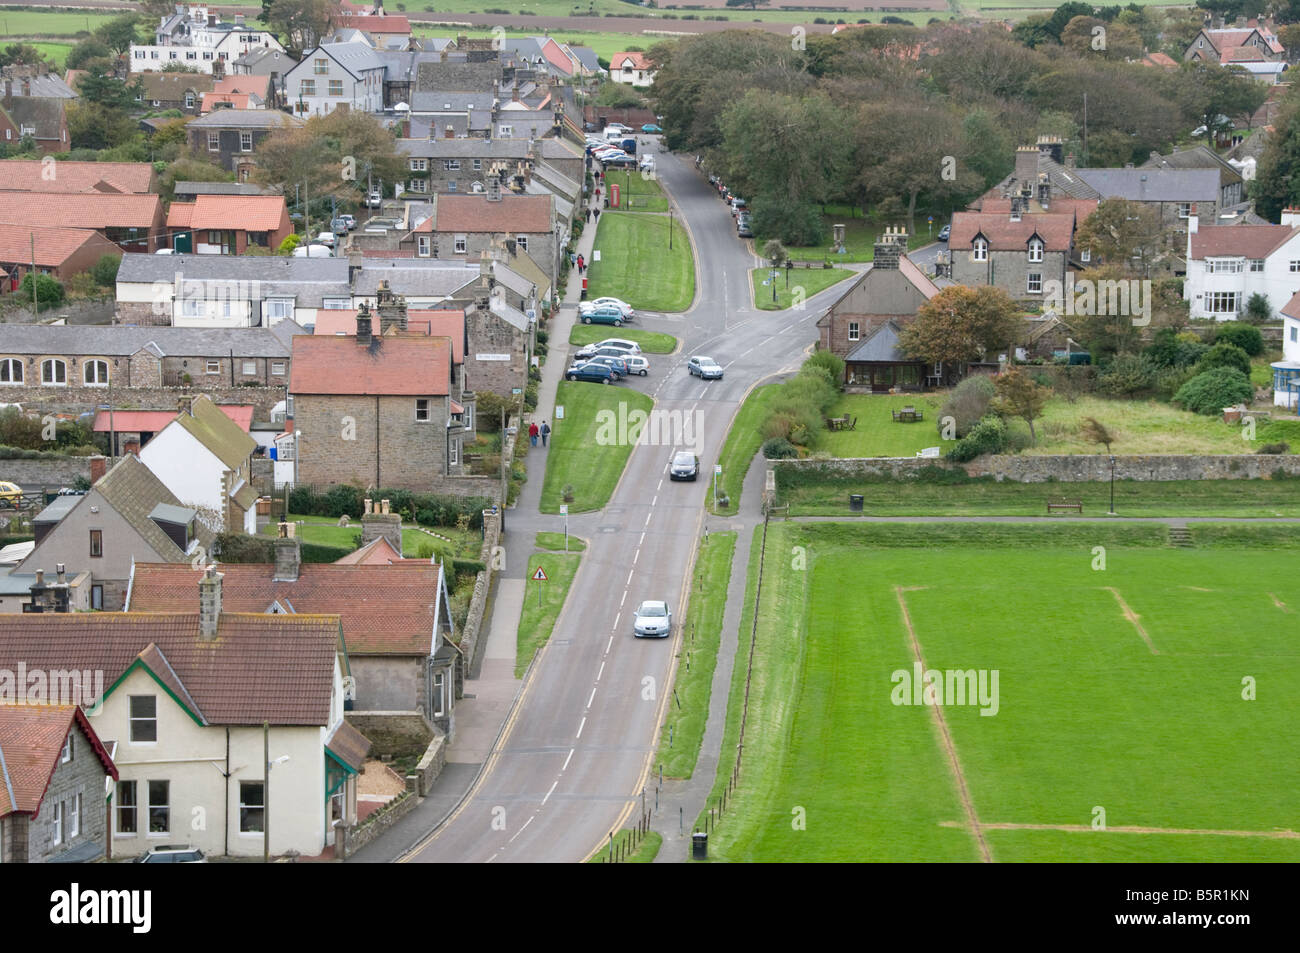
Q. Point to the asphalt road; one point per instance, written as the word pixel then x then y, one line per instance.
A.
pixel 576 755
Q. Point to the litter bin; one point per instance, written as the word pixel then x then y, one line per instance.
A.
pixel 699 846
pixel 855 502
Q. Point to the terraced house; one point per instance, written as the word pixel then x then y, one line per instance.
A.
pixel 461 166
pixel 333 75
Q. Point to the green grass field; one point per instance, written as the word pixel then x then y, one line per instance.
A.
pixel 652 342
pixel 541 609
pixel 1148 725
pixel 743 441
pixel 801 282
pixel 580 454
pixel 860 235
pixel 637 266
pixel 638 192
pixel 556 542
pixel 37 23
pixel 316 529
pixel 876 433
pixel 644 853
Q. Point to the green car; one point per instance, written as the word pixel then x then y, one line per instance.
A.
pixel 604 316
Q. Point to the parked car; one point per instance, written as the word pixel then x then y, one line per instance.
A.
pixel 11 494
pixel 623 344
pixel 325 238
pixel 603 316
pixel 621 161
pixel 608 303
pixel 596 373
pixel 636 364
pixel 339 227
pixel 647 163
pixel 705 368
pixel 743 228
pixel 349 221
pixel 651 128
pixel 737 206
pixel 313 251
pixel 172 854
pixel 615 346
pixel 653 618
pixel 374 199
pixel 944 233
pixel 684 466
pixel 616 364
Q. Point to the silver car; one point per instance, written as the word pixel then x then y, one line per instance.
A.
pixel 653 619
pixel 636 364
pixel 705 368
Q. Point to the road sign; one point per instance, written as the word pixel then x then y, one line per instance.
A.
pixel 595 255
pixel 540 575
pixel 559 411
pixel 717 468
pixel 564 509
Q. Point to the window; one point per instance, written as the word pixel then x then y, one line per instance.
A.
pixel 336 87
pixel 451 165
pixel 981 252
pixel 126 807
pixel 460 244
pixel 1085 255
pixel 189 100
pixel 1035 250
pixel 1184 209
pixel 54 372
pixel 336 304
pixel 214 142
pixel 191 56
pixel 160 820
pixel 453 453
pixel 1221 302
pixel 95 373
pixel 422 410
pixel 307 87
pixel 469 418
pixel 279 309
pixel 505 132
pixel 478 165
pixel 262 240
pixel 245 142
pixel 1294 335
pixel 419 165
pixel 1293 267
pixel 11 371
pixel 423 246
pixel 855 331
pixel 322 67
pixel 418 185
pixel 214 238
pixel 58 822
pixel 249 368
pixel 144 719
pixel 1034 285
pixel 1224 266
pixel 1257 264
pixel 213 367
pixel 66 754
pixel 522 242
pixel 96 543
pixel 277 368
pixel 439 690
pixel 252 807
pixel 451 185
pixel 74 816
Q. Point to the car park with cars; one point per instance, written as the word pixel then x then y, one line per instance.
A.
pixel 654 619
pixel 616 364
pixel 603 316
pixel 684 466
pixel 636 364
pixel 595 373
pixel 705 368
pixel 615 346
pixel 628 312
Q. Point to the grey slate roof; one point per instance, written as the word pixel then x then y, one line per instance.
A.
pixel 435 76
pixel 449 102
pixel 274 61
pixel 131 488
pixel 45 86
pixel 309 280
pixel 218 188
pixel 125 340
pixel 356 57
pixel 1154 185
pixel 245 119
pixel 587 57
pixel 180 515
pixel 415 277
pixel 513 280
pixel 57 509
pixel 557 182
pixel 881 346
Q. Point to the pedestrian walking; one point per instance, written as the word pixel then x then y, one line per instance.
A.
pixel 532 434
pixel 588 216
pixel 595 214
pixel 582 264
pixel 546 432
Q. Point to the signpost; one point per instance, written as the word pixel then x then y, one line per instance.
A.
pixel 717 471
pixel 559 411
pixel 929 224
pixel 539 577
pixel 564 511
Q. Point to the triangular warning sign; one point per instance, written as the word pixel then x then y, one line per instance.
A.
pixel 540 575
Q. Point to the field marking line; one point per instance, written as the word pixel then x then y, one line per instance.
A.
pixel 963 792
pixel 1278 603
pixel 1132 617
pixel 1088 829
pixel 1198 589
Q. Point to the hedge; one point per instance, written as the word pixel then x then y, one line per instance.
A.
pixel 428 509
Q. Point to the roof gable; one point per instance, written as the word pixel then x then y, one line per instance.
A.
pixel 390 366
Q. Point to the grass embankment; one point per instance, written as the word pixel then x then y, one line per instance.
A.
pixel 637 266
pixel 537 619
pixel 316 529
pixel 794 286
pixel 742 443
pixel 638 191
pixel 579 455
pixel 683 729
pixel 644 853
pixel 652 342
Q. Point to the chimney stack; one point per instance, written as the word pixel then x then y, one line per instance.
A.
pixel 1026 165
pixel 379 521
pixel 888 249
pixel 209 604
pixel 27 85
pixel 288 559
pixel 61 573
pixel 363 325
pixel 98 467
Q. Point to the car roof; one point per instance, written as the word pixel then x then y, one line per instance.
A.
pixel 683 453
pixel 652 603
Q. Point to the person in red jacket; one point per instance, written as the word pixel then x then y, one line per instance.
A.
pixel 532 434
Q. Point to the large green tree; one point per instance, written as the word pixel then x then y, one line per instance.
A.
pixel 1277 178
pixel 961 324
pixel 303 23
pixel 1126 234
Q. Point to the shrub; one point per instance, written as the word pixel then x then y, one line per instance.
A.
pixel 1280 447
pixel 48 290
pixel 987 436
pixel 1169 380
pixel 778 448
pixel 1258 309
pixel 968 403
pixel 832 363
pixel 1210 391
pixel 1128 374
pixel 1224 355
pixel 487 418
pixel 1245 336
pixel 105 271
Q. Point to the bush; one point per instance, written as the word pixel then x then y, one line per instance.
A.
pixel 794 223
pixel 105 271
pixel 1210 391
pixel 832 363
pixel 1280 447
pixel 967 404
pixel 1128 374
pixel 778 448
pixel 1225 355
pixel 48 290
pixel 987 436
pixel 1245 336
pixel 487 418
pixel 430 509
pixel 1169 380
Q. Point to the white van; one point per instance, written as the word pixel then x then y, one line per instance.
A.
pixel 616 133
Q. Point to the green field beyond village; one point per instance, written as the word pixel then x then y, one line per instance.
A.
pixel 1144 706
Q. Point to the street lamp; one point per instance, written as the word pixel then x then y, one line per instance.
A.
pixel 1112 486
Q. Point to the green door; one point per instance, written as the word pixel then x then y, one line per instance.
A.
pixel 183 242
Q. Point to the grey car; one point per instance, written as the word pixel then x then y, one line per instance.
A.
pixel 615 364
pixel 653 619
pixel 705 368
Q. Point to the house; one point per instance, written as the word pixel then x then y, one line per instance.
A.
pixel 43 120
pixel 633 69
pixel 395 618
pixel 183 91
pixel 376 409
pixel 32 592
pixel 382 31
pixel 127 515
pixel 134 428
pixel 194 37
pixel 61 252
pixel 34 81
pixel 863 325
pixel 213 291
pixel 546 55
pixel 1016 252
pixel 228 224
pixel 53 774
pixel 1229 264
pixel 187 692
pixel 460 166
pixel 230 136
pixel 423 283
pixel 206 461
pixel 333 75
pixel 1236 46
pixel 131 222
pixel 214 101
pixel 1286 372
pixel 262 88
pixel 34 175
pixel 184 191
pixel 464 226
pixel 1232 188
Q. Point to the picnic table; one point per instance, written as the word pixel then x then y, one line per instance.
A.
pixel 908 415
pixel 842 423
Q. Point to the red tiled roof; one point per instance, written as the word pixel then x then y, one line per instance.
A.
pixel 996 204
pixel 378 552
pixel 252 213
pixel 153 421
pixel 390 366
pixel 236 101
pixel 374 24
pixel 32 175
pixel 85 209
pixel 514 214
pixel 276 668
pixel 1292 308
pixel 385 610
pixel 1242 54
pixel 31 740
pixel 450 324
pixel 1163 60
pixel 257 85
pixel 54 246
pixel 1249 241
pixel 179 215
pixel 636 60
pixel 1056 230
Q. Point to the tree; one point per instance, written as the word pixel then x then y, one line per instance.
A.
pixel 752 4
pixel 1213 96
pixel 96 127
pixel 1018 395
pixel 24 54
pixel 105 90
pixel 176 66
pixel 91 48
pixel 49 290
pixel 1094 431
pixel 189 168
pixel 1125 234
pixel 105 270
pixel 1106 333
pixel 1258 310
pixel 1277 177
pixel 303 23
pixel 1088 35
pixel 775 252
pixel 960 324
pixel 118 33
pixel 330 155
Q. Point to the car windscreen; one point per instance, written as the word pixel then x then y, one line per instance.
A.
pixel 652 611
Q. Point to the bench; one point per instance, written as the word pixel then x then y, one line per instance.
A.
pixel 929 453
pixel 1076 505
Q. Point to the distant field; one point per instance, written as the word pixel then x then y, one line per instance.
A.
pixel 29 23
pixel 1121 724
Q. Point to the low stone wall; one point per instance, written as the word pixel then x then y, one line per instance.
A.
pixel 469 637
pixel 355 838
pixel 1083 468
pixel 83 399
pixel 397 734
pixel 80 311
pixel 431 765
pixel 52 473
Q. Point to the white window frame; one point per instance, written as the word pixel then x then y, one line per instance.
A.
pixel 1222 302
pixel 7 366
pixel 1293 267
pixel 51 363
pixel 439 693
pixel 261 786
pixel 165 806
pixel 461 244
pixel 94 366
pixel 335 304
pixel 245 142
pixel 451 165
pixel 66 754
pixel 1085 255
pixel 453 453
pixel 1035 250
pixel 211 367
pixel 119 807
pixel 214 142
pixel 423 405
pixel 1184 209
pixel 280 309
pixel 1255 265
pixel 522 242
pixel 1034 283
pixel 74 816
pixel 133 718
pixel 245 365
pixel 58 823
pixel 277 368
pixel 423 245
pixel 855 331
pixel 980 250
pixel 478 165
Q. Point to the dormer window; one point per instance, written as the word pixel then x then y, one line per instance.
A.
pixel 1035 249
pixel 981 250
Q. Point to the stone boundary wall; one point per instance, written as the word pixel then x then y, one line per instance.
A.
pixel 78 311
pixel 83 399
pixel 394 733
pixel 353 839
pixel 1082 468
pixel 431 765
pixel 52 474
pixel 469 637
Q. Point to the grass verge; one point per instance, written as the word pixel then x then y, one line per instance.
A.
pixel 637 265
pixel 643 853
pixel 652 342
pixel 683 729
pixel 582 453
pixel 555 542
pixel 638 192
pixel 316 529
pixel 743 441
pixel 800 282
pixel 537 619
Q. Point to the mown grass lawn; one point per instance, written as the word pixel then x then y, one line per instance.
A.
pixel 638 191
pixel 579 453
pixel 327 532
pixel 836 769
pixel 652 342
pixel 644 853
pixel 35 23
pixel 860 234
pixel 794 286
pixel 542 603
pixel 877 434
pixel 637 266
pixel 742 443
pixel 683 729
pixel 556 542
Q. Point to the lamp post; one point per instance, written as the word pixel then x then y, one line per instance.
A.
pixel 1112 486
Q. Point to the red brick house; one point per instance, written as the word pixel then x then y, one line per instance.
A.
pixel 132 222
pixel 61 252
pixel 228 224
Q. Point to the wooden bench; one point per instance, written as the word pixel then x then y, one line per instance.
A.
pixel 1076 505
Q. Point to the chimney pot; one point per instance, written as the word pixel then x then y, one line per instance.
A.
pixel 61 573
pixel 40 577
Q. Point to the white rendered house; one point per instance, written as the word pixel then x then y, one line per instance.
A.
pixel 1228 264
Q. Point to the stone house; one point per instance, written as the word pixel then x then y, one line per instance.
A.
pixel 350 75
pixel 1016 252
pixel 28 110
pixel 229 137
pixel 460 166
pixel 127 515
pixel 464 226
pixel 53 771
pixel 183 91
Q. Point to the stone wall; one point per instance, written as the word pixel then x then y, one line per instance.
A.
pixel 83 399
pixel 431 765
pixel 353 839
pixel 394 733
pixel 53 473
pixel 469 636
pixel 1083 468
pixel 80 311
pixel 370 441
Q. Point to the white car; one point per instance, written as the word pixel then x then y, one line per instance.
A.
pixel 325 238
pixel 585 306
pixel 653 619
pixel 374 199
pixel 623 344
pixel 636 364
pixel 647 163
pixel 613 346
pixel 313 251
